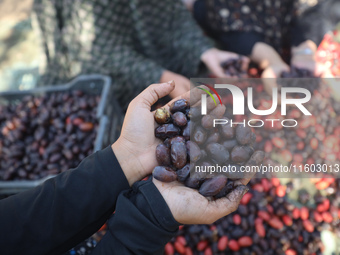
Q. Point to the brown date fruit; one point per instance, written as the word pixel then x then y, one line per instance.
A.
pixel 179 119
pixel 236 174
pixel 176 139
pixel 179 106
pixel 86 126
pixel 178 154
pixel 213 138
pixel 256 158
pixel 212 186
pixel 243 134
pixel 193 183
pixel 167 131
pixel 200 135
pixel 227 131
pixel 194 112
pixel 194 151
pixel 217 152
pixel 183 173
pixel 229 144
pixel 194 180
pixel 162 116
pixel 240 154
pixel 186 131
pixel 164 174
pixel 163 155
pixel 225 190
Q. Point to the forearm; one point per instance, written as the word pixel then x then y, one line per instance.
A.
pixel 64 210
pixel 265 55
pixel 307 47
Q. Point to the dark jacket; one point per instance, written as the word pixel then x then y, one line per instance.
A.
pixel 54 217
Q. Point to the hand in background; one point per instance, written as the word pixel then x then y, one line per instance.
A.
pixel 213 58
pixel 182 83
pixel 303 56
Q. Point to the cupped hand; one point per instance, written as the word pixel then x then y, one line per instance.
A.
pixel 136 146
pixel 190 207
pixel 308 62
pixel 213 58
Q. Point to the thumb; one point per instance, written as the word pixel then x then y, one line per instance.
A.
pixel 151 94
pixel 224 206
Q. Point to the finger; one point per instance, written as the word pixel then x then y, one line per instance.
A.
pixel 224 206
pixel 218 111
pixel 246 179
pixel 193 96
pixel 216 68
pixel 151 94
pixel 210 103
pixel 245 63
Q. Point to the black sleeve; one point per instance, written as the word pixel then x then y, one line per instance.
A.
pixel 315 22
pixel 63 211
pixel 142 223
pixel 240 42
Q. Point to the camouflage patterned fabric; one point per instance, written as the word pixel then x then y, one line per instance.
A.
pixel 132 41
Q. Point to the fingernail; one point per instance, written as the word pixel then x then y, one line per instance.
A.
pixel 246 189
pixel 171 82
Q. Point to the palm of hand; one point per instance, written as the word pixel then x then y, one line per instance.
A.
pixel 190 207
pixel 177 196
pixel 139 138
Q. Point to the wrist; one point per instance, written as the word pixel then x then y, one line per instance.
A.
pixel 126 162
pixel 265 55
pixel 206 54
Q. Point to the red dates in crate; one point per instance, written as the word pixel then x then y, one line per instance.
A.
pixel 178 155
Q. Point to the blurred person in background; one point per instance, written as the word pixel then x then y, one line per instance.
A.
pixel 136 42
pixel 271 33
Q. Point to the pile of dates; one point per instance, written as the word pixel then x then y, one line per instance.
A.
pixel 46 135
pixel 233 67
pixel 179 157
pixel 296 72
pixel 309 82
pixel 265 223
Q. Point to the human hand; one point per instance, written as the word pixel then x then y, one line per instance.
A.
pixel 308 62
pixel 273 71
pixel 182 83
pixel 190 207
pixel 136 146
pixel 304 57
pixel 187 205
pixel 213 58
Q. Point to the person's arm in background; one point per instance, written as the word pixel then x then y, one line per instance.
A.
pixel 148 216
pixel 190 41
pixel 271 62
